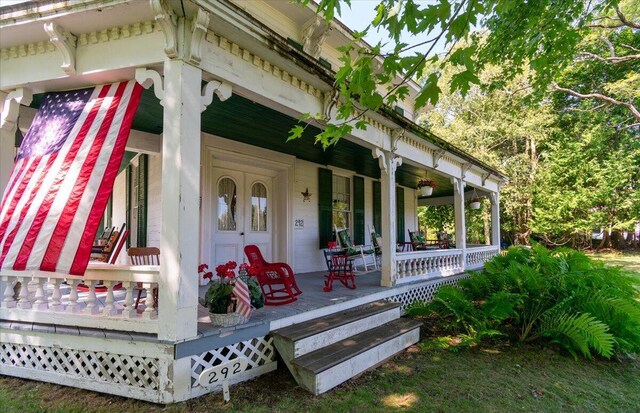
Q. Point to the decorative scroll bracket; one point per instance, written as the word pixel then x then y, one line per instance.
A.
pixel 396 162
pixel 330 99
pixel 147 78
pixel 396 136
pixel 313 35
pixel 222 90
pixel 382 161
pixel 465 169
pixel 11 108
pixel 199 27
pixel 437 155
pixel 168 21
pixel 65 42
pixel 485 177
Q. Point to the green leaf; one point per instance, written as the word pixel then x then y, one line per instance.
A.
pixel 295 133
pixel 430 91
pixel 462 81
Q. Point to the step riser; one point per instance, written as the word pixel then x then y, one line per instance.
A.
pixel 342 372
pixel 309 344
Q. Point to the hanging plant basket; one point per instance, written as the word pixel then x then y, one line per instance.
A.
pixel 425 190
pixel 474 205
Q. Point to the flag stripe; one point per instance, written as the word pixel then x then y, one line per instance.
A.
pixel 105 179
pixel 18 169
pixel 17 196
pixel 53 190
pixel 10 194
pixel 243 303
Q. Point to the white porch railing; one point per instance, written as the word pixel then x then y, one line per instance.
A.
pixel 52 298
pixel 417 265
pixel 411 266
pixel 477 256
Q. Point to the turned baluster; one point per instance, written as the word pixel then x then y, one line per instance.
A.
pixel 24 300
pixel 40 303
pixel 56 296
pixel 129 311
pixel 150 311
pixel 8 301
pixel 73 306
pixel 92 307
pixel 109 303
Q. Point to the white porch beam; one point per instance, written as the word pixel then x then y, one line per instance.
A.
pixel 178 291
pixel 461 229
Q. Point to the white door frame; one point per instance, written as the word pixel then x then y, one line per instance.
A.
pixel 219 152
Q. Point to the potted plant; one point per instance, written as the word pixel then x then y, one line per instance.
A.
pixel 475 202
pixel 426 186
pixel 220 299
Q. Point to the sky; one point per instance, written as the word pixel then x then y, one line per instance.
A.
pixel 362 13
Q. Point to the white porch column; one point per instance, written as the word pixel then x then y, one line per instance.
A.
pixel 10 110
pixel 179 244
pixel 495 218
pixel 461 227
pixel 388 164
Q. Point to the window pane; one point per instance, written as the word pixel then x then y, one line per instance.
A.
pixel 341 201
pixel 227 200
pixel 258 207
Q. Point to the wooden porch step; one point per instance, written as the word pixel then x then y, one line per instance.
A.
pixel 299 339
pixel 325 368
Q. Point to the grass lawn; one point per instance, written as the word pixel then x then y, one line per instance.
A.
pixel 428 377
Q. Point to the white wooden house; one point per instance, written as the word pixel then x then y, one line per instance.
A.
pixel 193 160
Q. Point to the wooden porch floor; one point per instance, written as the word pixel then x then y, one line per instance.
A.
pixel 312 300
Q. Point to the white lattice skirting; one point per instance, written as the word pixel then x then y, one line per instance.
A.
pixel 424 292
pixel 125 368
pixel 259 352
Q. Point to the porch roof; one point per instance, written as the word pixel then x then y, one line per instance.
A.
pixel 240 119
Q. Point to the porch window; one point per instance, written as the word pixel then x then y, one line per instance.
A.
pixel 258 207
pixel 341 205
pixel 227 203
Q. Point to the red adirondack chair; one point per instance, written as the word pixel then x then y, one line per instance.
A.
pixel 276 279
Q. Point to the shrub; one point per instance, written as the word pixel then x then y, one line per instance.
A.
pixel 532 294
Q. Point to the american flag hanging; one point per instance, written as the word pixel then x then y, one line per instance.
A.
pixel 63 177
pixel 241 291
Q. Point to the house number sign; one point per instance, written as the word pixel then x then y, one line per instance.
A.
pixel 222 373
pixel 298 224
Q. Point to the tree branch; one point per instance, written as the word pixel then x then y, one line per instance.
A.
pixel 635 49
pixel 633 109
pixel 613 59
pixel 624 20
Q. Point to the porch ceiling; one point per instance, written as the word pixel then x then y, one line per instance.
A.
pixel 242 120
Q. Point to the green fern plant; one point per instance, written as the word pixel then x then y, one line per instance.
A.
pixel 561 297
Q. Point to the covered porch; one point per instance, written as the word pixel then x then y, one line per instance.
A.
pixel 213 122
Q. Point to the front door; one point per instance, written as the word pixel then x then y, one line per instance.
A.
pixel 242 214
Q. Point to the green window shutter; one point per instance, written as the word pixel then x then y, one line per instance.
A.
pixel 129 180
pixel 377 207
pixel 325 193
pixel 358 210
pixel 142 200
pixel 400 213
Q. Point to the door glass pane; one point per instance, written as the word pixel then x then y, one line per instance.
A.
pixel 227 203
pixel 258 207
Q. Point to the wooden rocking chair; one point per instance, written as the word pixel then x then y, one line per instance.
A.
pixel 276 279
pixel 340 269
pixel 365 252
